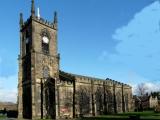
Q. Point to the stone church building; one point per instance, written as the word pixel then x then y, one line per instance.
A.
pixel 44 91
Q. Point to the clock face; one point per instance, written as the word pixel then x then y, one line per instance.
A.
pixel 45 39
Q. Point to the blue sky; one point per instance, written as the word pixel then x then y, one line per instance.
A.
pixel 118 39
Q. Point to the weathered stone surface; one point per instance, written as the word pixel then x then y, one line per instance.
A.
pixel 60 94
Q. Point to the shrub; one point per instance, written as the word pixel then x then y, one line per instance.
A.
pixel 157 109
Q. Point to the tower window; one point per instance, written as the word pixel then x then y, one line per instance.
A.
pixel 45 41
pixel 27 47
pixel 45 46
pixel 27 42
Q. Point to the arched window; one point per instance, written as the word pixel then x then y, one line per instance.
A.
pixel 27 41
pixel 45 72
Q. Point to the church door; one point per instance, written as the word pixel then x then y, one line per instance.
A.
pixel 49 90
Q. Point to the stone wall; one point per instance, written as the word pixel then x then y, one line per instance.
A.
pixel 93 96
pixel 60 94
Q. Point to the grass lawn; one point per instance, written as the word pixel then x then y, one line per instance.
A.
pixel 146 115
pixel 2 117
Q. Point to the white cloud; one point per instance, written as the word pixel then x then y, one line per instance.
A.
pixel 8 88
pixel 135 79
pixel 138 47
pixel 150 87
pixel 9 95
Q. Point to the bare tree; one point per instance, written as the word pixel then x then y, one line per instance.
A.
pixel 141 89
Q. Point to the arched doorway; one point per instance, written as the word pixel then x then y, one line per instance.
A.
pixel 49 97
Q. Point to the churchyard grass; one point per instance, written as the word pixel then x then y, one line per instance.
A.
pixel 146 115
pixel 2 117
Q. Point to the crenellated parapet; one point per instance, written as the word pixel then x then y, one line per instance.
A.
pixel 43 21
pixel 39 20
pixel 97 81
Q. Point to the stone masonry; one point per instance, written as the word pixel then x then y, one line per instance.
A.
pixel 44 91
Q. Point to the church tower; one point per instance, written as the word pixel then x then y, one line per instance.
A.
pixel 38 67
